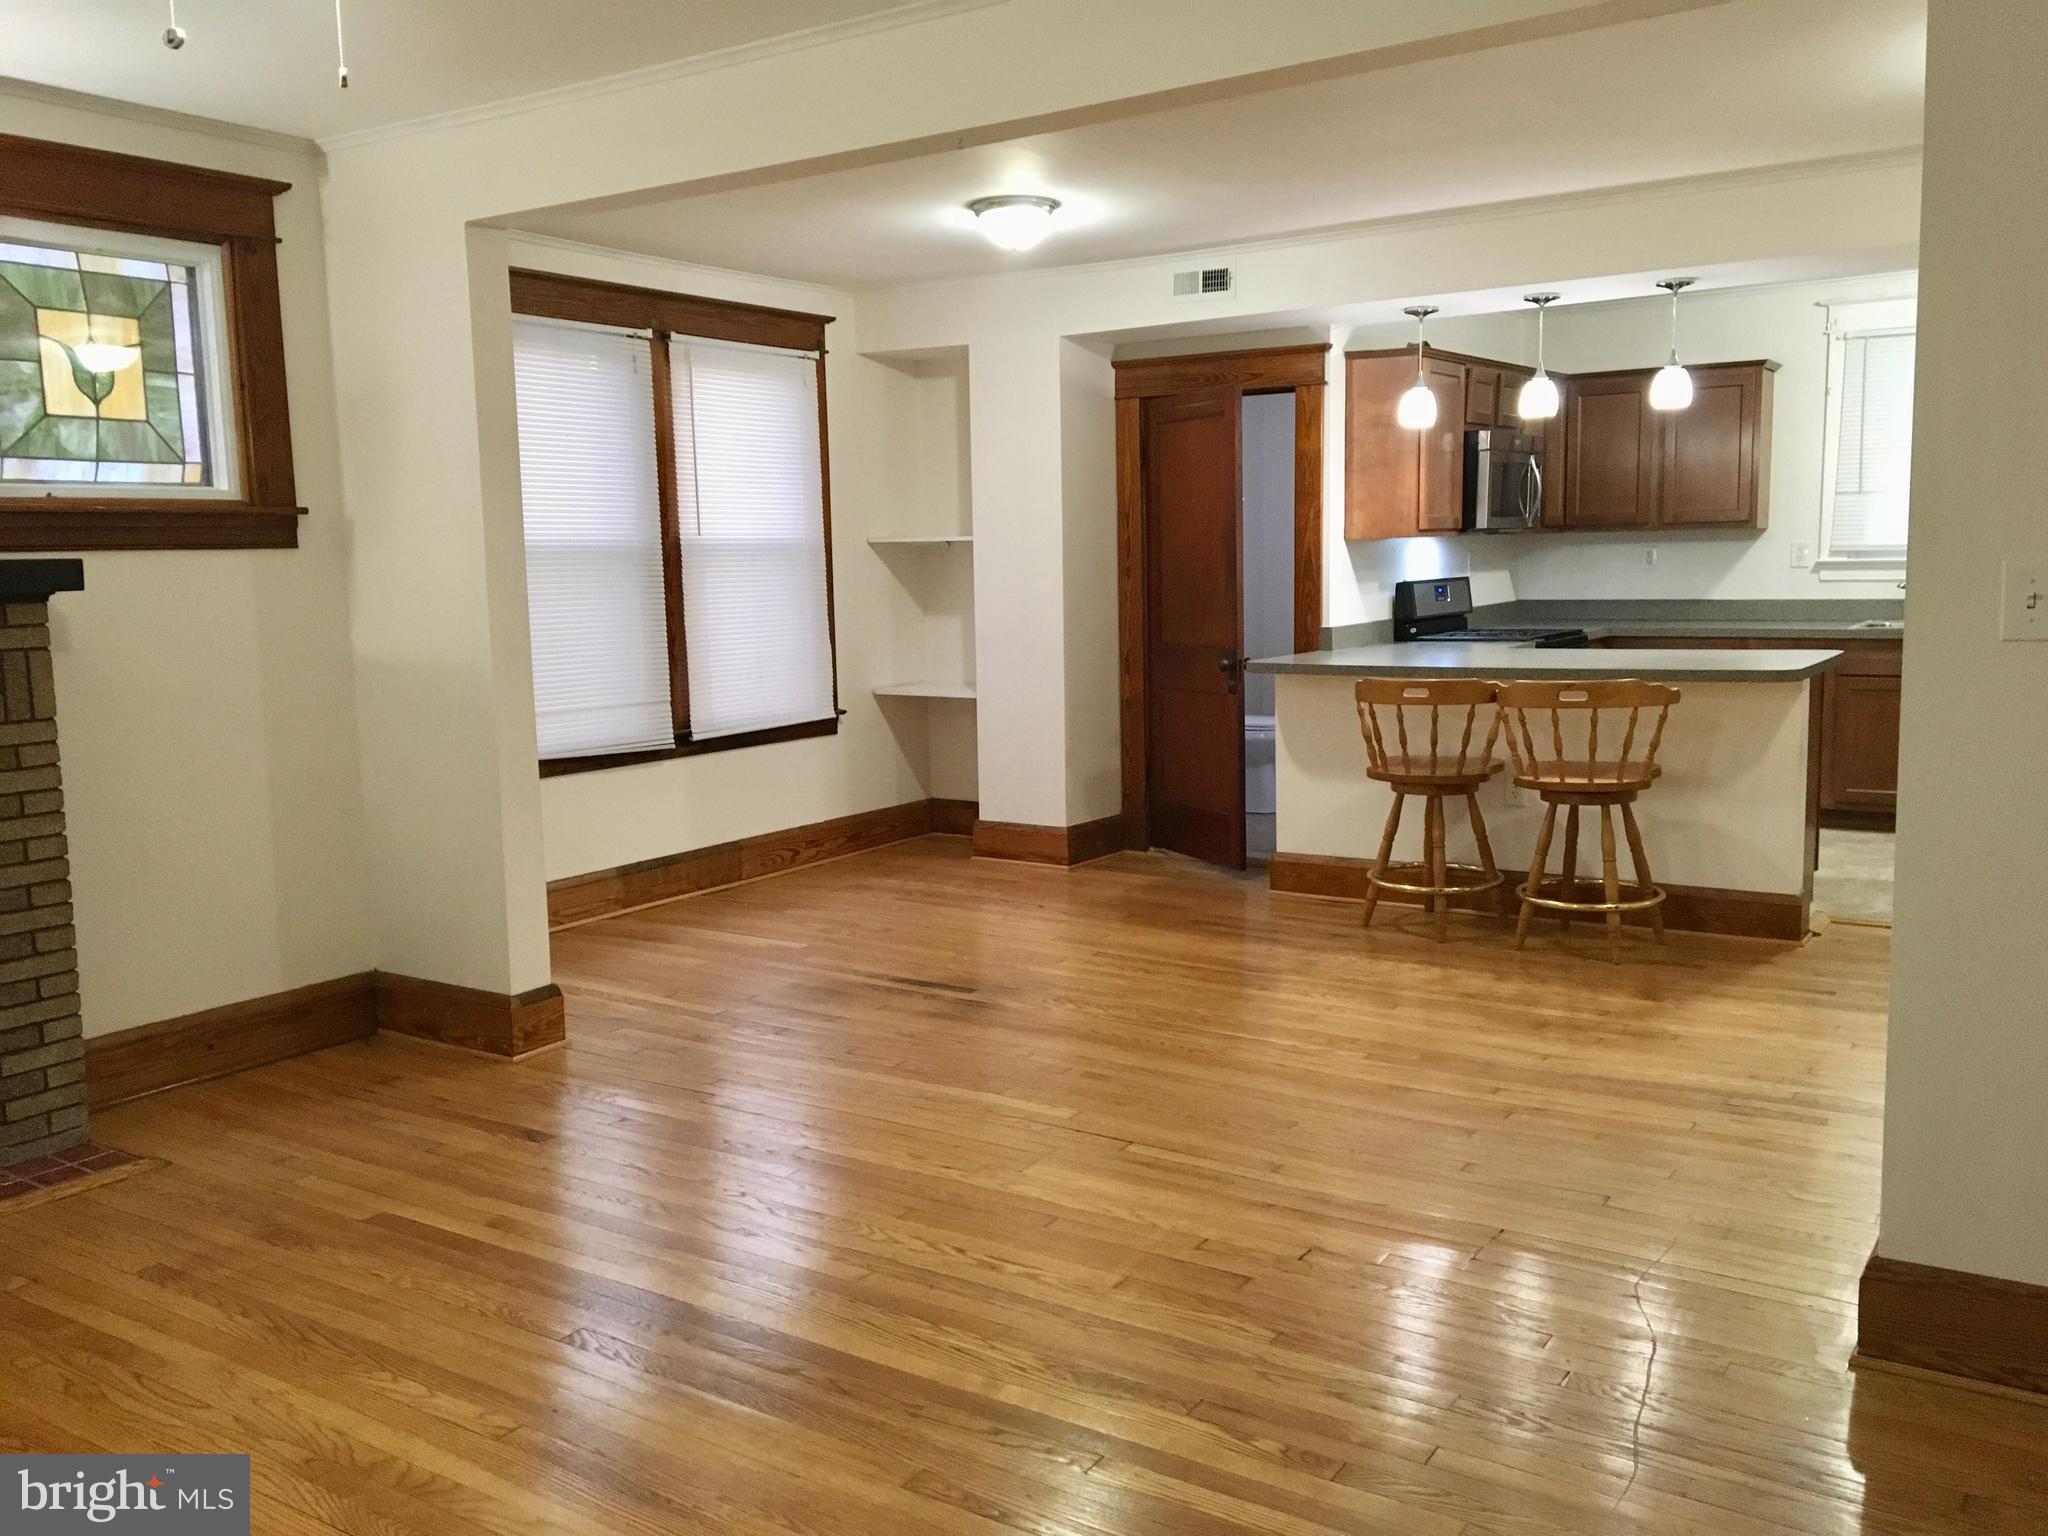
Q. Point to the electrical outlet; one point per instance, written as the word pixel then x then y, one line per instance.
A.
pixel 1516 795
pixel 1650 555
pixel 2023 602
pixel 1802 556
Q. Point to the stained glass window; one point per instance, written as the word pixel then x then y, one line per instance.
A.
pixel 109 360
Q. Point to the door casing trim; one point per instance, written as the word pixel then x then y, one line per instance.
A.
pixel 1299 371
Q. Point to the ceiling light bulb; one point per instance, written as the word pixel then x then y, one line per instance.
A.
pixel 104 356
pixel 1014 223
pixel 1417 409
pixel 1671 389
pixel 1538 399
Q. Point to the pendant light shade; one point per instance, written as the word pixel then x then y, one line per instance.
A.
pixel 1671 389
pixel 1538 399
pixel 1417 409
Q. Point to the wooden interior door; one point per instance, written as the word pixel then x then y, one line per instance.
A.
pixel 1194 625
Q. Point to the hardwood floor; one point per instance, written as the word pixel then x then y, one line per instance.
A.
pixel 926 1195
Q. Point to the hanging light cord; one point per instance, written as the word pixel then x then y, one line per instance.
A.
pixel 340 48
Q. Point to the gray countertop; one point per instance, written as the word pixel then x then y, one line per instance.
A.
pixel 1822 619
pixel 1491 659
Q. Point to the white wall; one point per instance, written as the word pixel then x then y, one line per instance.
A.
pixel 205 698
pixel 887 426
pixel 1966 1094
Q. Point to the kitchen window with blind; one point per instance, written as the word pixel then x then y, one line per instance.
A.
pixel 673 480
pixel 1867 460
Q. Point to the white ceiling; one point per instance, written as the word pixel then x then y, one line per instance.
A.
pixel 1736 86
pixel 270 63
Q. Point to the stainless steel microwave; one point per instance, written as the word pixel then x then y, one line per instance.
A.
pixel 1503 482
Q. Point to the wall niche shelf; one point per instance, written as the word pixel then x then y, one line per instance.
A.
pixel 927 539
pixel 925 691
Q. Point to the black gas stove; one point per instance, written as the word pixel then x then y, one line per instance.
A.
pixel 1438 610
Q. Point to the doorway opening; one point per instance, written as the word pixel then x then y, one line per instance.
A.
pixel 1267 429
pixel 1219 559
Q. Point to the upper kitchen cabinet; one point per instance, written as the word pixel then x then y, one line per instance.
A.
pixel 1706 466
pixel 1399 482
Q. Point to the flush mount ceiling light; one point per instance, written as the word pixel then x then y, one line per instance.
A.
pixel 1671 389
pixel 1417 409
pixel 1538 399
pixel 1015 223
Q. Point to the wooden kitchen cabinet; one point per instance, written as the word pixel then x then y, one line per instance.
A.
pixel 1482 396
pixel 1611 480
pixel 1707 466
pixel 1859 753
pixel 1399 482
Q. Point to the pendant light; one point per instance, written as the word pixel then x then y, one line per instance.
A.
pixel 174 35
pixel 1538 399
pixel 1417 409
pixel 1671 389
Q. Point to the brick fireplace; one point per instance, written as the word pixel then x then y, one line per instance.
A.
pixel 42 1051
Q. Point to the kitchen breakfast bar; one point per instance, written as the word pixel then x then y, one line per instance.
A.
pixel 1731 825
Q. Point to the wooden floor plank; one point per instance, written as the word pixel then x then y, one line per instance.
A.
pixel 944 1196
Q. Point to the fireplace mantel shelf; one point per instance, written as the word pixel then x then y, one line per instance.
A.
pixel 31 581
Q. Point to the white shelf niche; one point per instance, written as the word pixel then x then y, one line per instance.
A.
pixel 925 690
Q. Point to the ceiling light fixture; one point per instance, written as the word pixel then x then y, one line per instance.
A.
pixel 174 39
pixel 1671 389
pixel 1538 399
pixel 1417 409
pixel 1015 223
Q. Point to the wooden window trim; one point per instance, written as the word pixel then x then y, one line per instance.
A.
pixel 554 296
pixel 69 184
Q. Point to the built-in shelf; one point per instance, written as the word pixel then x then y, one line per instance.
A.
pixel 925 691
pixel 924 538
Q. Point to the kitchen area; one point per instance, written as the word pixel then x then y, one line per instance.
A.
pixel 1726 515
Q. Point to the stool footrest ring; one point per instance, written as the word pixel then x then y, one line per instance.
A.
pixel 1481 881
pixel 1636 903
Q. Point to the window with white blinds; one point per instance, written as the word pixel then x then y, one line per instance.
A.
pixel 1869 469
pixel 751 513
pixel 596 601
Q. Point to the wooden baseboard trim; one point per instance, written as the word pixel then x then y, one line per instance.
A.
pixel 1029 844
pixel 1687 908
pixel 217 1041
pixel 954 818
pixel 1954 1323
pixel 603 892
pixel 494 1023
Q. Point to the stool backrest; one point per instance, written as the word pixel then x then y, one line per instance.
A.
pixel 1574 711
pixel 1397 695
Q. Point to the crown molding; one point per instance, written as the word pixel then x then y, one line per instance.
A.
pixel 911 13
pixel 157 117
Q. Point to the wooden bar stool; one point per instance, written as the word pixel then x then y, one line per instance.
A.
pixel 1433 776
pixel 1574 774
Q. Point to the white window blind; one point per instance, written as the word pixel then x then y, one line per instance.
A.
pixel 750 500
pixel 1870 468
pixel 593 538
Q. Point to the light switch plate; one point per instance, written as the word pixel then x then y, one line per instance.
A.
pixel 2023 602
